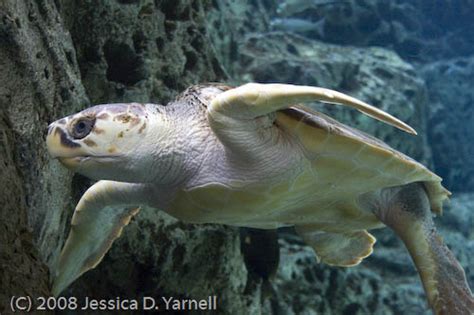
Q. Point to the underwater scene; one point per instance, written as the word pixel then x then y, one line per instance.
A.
pixel 237 157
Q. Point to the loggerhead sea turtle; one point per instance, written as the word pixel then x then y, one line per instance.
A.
pixel 248 156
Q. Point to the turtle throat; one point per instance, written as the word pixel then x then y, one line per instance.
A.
pixel 176 141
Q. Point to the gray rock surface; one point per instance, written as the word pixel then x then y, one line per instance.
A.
pixel 450 120
pixel 20 262
pixel 39 80
pixel 416 29
pixel 141 51
pixel 229 22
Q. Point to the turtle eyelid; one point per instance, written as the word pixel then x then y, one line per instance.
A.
pixel 82 127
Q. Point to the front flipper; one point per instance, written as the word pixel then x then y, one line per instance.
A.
pixel 253 100
pixel 338 249
pixel 101 214
pixel 406 210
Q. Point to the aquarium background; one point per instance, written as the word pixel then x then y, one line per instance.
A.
pixel 414 59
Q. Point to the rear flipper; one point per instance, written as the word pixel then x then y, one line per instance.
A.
pixel 338 249
pixel 406 210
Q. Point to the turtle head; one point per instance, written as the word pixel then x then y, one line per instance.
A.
pixel 105 141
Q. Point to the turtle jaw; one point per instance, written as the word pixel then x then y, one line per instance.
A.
pixel 72 163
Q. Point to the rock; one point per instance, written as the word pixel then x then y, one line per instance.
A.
pixel 20 262
pixel 456 227
pixel 40 80
pixel 141 51
pixel 457 215
pixel 229 22
pixel 417 30
pixel 450 127
pixel 377 76
pixel 306 287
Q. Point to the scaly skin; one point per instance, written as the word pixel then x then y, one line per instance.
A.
pixel 406 210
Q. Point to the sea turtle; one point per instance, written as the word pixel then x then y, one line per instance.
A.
pixel 247 156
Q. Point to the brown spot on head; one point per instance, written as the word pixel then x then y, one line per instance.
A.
pixel 142 127
pixel 120 134
pixel 90 143
pixel 124 118
pixel 98 130
pixel 128 119
pixel 112 149
pixel 103 116
pixel 62 121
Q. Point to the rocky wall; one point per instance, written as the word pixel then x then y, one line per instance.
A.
pixel 142 51
pixel 451 120
pixel 40 80
pixel 418 30
pixel 229 22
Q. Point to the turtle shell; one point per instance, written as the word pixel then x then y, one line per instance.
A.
pixel 340 164
pixel 353 159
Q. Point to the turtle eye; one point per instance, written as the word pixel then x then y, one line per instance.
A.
pixel 82 127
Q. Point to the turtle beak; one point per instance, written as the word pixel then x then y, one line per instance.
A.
pixel 60 146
